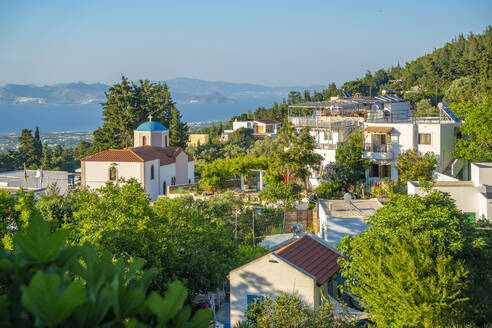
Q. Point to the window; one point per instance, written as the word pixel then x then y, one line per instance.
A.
pixel 112 173
pixel 253 299
pixel 373 171
pixel 164 188
pixel 379 171
pixel 424 139
pixel 327 136
pixel 173 181
pixel 144 140
pixel 165 141
pixel 152 172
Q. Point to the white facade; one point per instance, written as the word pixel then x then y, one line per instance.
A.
pixel 472 197
pixel 260 128
pixel 96 174
pixel 437 137
pixel 268 276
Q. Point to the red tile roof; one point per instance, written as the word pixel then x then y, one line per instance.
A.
pixel 267 121
pixel 165 155
pixel 312 256
pixel 114 155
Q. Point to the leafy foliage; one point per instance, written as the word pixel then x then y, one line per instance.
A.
pixel 414 166
pixel 414 265
pixel 45 283
pixel 477 130
pixel 289 311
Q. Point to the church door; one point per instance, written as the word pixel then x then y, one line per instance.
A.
pixel 164 187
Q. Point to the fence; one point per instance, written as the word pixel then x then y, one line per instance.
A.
pixel 308 219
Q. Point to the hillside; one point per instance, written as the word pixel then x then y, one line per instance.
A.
pixel 183 90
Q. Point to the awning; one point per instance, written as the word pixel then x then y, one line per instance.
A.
pixel 378 129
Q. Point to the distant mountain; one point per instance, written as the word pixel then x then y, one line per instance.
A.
pixel 69 93
pixel 183 91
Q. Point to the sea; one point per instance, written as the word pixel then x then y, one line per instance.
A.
pixel 51 118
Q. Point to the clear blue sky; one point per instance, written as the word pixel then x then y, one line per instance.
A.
pixel 267 42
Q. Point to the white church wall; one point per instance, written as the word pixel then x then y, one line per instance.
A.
pixel 166 174
pixel 191 171
pixel 182 168
pixel 152 186
pixel 97 173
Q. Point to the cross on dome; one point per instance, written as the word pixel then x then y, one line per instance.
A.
pixel 150 117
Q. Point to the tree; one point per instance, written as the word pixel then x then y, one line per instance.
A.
pixel 424 106
pixel 202 251
pixel 462 90
pixel 476 143
pixel 38 145
pixel 415 264
pixel 127 105
pixel 350 165
pixel 45 283
pixel 178 131
pixel 285 193
pixel 414 166
pixel 241 137
pixel 27 150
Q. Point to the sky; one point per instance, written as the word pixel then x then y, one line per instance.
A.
pixel 277 43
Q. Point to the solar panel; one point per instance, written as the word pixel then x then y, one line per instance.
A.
pixel 450 114
pixel 347 94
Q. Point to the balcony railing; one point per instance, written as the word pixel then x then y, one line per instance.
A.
pixel 380 148
pixel 327 146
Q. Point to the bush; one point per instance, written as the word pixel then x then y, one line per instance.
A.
pixel 45 283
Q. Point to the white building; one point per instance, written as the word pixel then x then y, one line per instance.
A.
pixel 473 197
pixel 385 141
pixel 388 129
pixel 305 266
pixel 152 162
pixel 37 180
pixel 261 128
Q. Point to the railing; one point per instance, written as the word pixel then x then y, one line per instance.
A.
pixel 327 146
pixel 380 148
pixel 323 123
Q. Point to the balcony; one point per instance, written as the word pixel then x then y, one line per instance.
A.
pixel 378 151
pixel 327 146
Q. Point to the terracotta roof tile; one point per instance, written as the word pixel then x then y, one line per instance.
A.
pixel 165 155
pixel 267 121
pixel 114 155
pixel 312 256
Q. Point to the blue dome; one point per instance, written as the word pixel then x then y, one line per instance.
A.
pixel 151 126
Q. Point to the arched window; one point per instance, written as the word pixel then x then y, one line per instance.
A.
pixel 165 141
pixel 112 173
pixel 144 140
pixel 152 172
pixel 164 187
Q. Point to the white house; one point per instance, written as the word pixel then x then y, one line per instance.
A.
pixel 305 266
pixel 473 197
pixel 152 162
pixel 388 128
pixel 261 128
pixel 385 141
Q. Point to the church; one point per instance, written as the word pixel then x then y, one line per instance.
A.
pixel 151 161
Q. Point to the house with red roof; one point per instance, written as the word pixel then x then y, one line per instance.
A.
pixel 151 161
pixel 305 266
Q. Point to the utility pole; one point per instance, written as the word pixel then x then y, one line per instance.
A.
pixel 253 228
